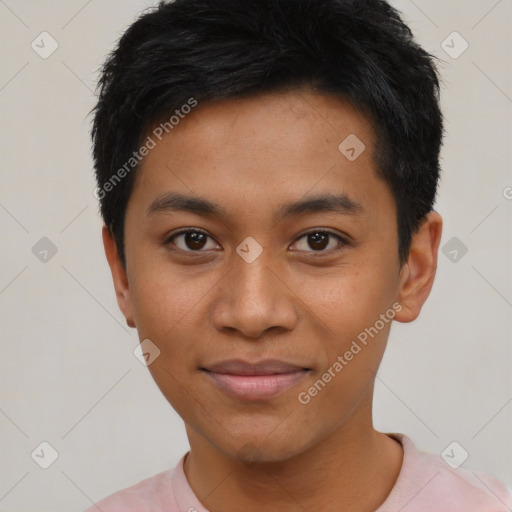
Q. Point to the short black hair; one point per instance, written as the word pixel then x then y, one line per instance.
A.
pixel 205 50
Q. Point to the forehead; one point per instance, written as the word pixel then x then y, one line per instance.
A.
pixel 264 148
pixel 284 121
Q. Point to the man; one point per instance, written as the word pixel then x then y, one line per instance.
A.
pixel 267 172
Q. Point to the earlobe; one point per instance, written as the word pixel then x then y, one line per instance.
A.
pixel 119 276
pixel 417 275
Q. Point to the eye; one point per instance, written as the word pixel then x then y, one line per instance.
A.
pixel 196 240
pixel 319 240
pixel 190 240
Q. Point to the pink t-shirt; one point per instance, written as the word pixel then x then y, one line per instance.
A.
pixel 426 483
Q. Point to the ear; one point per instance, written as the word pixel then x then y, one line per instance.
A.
pixel 119 276
pixel 417 274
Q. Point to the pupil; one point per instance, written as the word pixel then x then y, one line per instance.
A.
pixel 195 240
pixel 318 240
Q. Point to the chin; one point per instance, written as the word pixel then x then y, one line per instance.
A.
pixel 255 451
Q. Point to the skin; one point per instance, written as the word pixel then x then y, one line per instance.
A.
pixel 295 302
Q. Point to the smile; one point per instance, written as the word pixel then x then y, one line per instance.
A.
pixel 251 382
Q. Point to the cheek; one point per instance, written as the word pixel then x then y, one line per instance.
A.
pixel 351 351
pixel 169 309
pixel 349 305
pixel 165 298
pixel 349 299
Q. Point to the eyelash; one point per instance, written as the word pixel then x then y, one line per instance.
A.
pixel 342 242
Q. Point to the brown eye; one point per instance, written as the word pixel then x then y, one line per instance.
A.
pixel 320 241
pixel 194 240
pixel 190 240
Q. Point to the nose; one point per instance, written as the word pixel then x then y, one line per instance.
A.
pixel 254 298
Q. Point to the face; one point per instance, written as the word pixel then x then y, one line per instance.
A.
pixel 252 238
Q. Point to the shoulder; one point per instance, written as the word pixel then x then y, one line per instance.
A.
pixel 470 489
pixel 152 494
pixel 427 483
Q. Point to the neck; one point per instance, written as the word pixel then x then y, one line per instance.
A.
pixel 353 469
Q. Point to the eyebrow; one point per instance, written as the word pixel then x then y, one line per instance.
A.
pixel 322 203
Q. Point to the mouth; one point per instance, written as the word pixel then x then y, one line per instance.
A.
pixel 255 381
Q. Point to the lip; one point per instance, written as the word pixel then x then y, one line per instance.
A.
pixel 255 381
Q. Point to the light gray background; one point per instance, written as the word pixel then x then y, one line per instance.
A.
pixel 69 376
